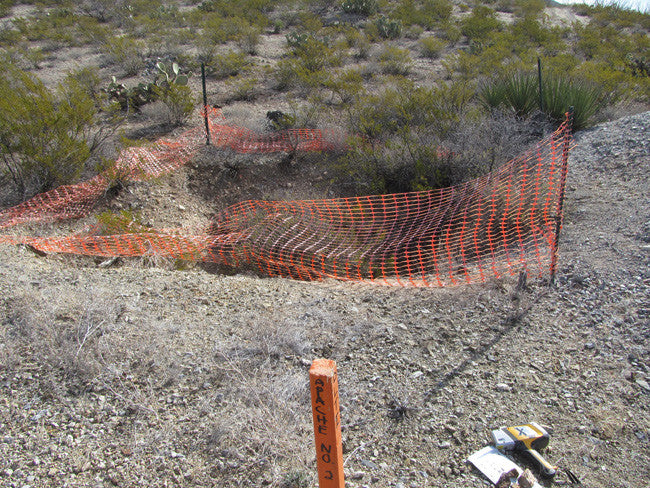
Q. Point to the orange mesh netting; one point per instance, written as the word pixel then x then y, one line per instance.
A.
pixel 503 223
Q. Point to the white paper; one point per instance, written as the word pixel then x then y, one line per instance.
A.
pixel 493 464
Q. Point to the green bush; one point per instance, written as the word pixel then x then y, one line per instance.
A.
pixel 400 131
pixel 253 11
pixel 346 86
pixel 480 24
pixel 427 13
pixel 243 88
pixel 614 14
pixel 430 47
pixel 226 65
pixel 394 61
pixel 179 102
pixel 43 134
pixel 126 53
pixel 306 67
pixel 248 38
pixel 5 7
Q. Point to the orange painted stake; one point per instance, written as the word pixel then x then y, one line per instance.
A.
pixel 324 385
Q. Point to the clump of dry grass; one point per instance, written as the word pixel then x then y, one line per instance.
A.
pixel 69 335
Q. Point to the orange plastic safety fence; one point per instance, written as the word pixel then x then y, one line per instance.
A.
pixel 503 223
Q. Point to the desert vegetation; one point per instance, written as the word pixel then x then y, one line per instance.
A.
pixel 344 60
pixel 431 93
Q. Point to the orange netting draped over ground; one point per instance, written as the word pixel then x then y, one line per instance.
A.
pixel 503 223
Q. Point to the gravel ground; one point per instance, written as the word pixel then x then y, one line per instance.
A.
pixel 151 375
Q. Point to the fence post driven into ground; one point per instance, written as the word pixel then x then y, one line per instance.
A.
pixel 568 129
pixel 205 106
pixel 539 82
pixel 324 386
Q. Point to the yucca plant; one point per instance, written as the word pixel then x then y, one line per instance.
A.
pixel 518 92
pixel 587 100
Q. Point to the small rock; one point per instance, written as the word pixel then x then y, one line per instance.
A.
pixel 368 464
pixel 444 445
pixel 503 387
pixel 643 384
pixel 526 479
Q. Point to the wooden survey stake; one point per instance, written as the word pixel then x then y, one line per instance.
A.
pixel 324 384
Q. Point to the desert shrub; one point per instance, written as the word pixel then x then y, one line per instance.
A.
pixel 478 145
pixel 639 65
pixel 388 28
pixel 414 32
pixel 179 102
pixel 522 8
pixel 243 88
pixel 5 7
pixel 285 74
pixel 253 11
pixel 480 24
pixel 356 39
pixel 451 32
pixel 346 86
pixel 248 38
pixel 362 7
pixel 614 14
pixel 430 47
pixel 230 63
pixel 393 60
pixel 400 132
pixel 54 25
pixel 428 13
pixel 64 333
pixel 126 53
pixel 530 29
pixel 307 63
pixel 43 134
pixel 60 27
pixel 220 30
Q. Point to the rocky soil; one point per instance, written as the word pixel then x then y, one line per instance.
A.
pixel 152 373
